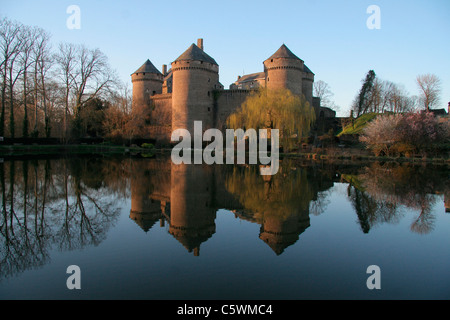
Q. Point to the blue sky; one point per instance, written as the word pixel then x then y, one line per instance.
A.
pixel 330 36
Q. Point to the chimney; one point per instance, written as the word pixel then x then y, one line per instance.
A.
pixel 164 69
pixel 200 43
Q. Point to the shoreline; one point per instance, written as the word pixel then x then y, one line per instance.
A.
pixel 69 149
pixel 325 154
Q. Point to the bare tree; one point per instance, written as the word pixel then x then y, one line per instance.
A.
pixel 10 46
pixel 93 77
pixel 430 89
pixel 322 90
pixel 29 36
pixel 387 96
pixel 15 70
pixel 400 100
pixel 42 60
pixel 86 74
pixel 119 114
pixel 65 59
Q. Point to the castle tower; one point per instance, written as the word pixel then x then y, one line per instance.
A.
pixel 192 216
pixel 195 75
pixel 307 84
pixel 284 70
pixel 147 81
pixel 280 233
pixel 144 211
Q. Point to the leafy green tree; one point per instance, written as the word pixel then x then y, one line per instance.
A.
pixel 275 109
pixel 280 196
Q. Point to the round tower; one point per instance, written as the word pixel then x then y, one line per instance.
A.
pixel 195 76
pixel 147 81
pixel 144 211
pixel 284 70
pixel 307 84
pixel 192 215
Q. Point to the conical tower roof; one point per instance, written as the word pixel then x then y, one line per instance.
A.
pixel 148 67
pixel 284 52
pixel 195 53
pixel 306 69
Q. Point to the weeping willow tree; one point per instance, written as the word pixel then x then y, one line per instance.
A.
pixel 275 109
pixel 280 196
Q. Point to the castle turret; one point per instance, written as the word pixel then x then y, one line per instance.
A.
pixel 307 84
pixel 147 81
pixel 192 216
pixel 280 233
pixel 195 77
pixel 144 210
pixel 284 70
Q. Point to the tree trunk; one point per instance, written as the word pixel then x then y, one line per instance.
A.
pixel 2 114
pixel 25 114
pixel 11 112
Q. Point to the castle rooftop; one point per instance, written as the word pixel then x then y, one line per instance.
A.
pixel 285 53
pixel 195 53
pixel 306 69
pixel 252 77
pixel 148 67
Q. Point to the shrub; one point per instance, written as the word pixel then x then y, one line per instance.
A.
pixel 147 146
pixel 381 134
pixel 405 134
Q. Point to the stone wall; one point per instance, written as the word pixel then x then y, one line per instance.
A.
pixel 227 102
pixel 160 127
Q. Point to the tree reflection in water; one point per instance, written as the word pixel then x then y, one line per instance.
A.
pixel 71 203
pixel 279 203
pixel 52 203
pixel 379 192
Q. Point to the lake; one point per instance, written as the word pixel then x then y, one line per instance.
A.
pixel 144 228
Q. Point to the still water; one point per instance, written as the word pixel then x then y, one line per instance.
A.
pixel 142 228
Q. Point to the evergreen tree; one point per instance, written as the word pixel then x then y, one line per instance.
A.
pixel 362 101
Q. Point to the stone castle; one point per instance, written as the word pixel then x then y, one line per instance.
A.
pixel 191 91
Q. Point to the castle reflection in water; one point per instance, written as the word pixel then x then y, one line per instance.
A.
pixel 73 203
pixel 187 197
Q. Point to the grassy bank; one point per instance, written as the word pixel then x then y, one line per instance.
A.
pixel 17 150
pixel 358 125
